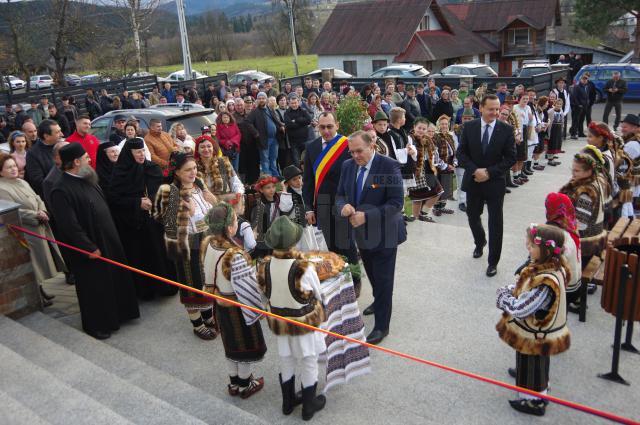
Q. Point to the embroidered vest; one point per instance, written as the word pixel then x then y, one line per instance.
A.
pixel 213 271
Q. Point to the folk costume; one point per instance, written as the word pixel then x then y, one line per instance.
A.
pixel 264 213
pixel 217 172
pixel 228 273
pixel 398 141
pixel 607 175
pixel 632 149
pixel 556 119
pixel 534 322
pixel 541 120
pixel 292 286
pixel 183 234
pixel 427 184
pixel 624 179
pixel 291 200
pixel 447 152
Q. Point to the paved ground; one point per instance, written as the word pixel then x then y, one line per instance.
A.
pixel 445 312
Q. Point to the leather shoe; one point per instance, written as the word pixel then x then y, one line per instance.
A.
pixel 512 185
pixel 477 253
pixel 492 271
pixel 368 311
pixel 512 372
pixel 376 336
pixel 462 207
pixel 507 190
pixel 100 334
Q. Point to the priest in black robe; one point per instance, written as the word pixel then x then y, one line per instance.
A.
pixel 106 293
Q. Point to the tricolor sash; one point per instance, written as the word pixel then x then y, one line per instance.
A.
pixel 326 159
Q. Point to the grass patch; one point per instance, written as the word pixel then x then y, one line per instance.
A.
pixel 279 65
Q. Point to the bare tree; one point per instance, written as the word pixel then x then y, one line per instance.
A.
pixel 273 36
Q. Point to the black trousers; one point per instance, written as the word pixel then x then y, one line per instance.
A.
pixel 493 196
pixel 617 106
pixel 380 266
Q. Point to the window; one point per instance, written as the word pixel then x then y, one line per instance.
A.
pixel 377 64
pixel 631 75
pixel 424 23
pixel 605 74
pixel 350 67
pixel 519 36
pixel 101 128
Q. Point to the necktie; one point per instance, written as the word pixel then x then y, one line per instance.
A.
pixel 359 181
pixel 485 139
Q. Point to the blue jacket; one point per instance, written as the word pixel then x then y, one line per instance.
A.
pixel 169 94
pixel 476 114
pixel 382 201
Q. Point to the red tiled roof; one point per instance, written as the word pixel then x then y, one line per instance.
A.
pixel 373 27
pixel 494 15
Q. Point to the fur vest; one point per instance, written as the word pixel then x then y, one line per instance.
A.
pixel 298 304
pixel 425 148
pixel 218 175
pixel 226 252
pixel 543 334
pixel 446 147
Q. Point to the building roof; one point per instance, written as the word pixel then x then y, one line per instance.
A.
pixel 369 28
pixel 438 45
pixel 496 15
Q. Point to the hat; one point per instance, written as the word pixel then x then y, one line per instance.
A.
pixel 119 117
pixel 189 144
pixel 261 94
pixel 283 233
pixel 380 116
pixel 205 129
pixel 632 119
pixel 136 143
pixel 290 172
pixel 70 152
pixel 410 87
pixel 468 112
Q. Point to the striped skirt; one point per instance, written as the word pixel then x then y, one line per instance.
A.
pixel 532 372
pixel 241 343
pixel 190 273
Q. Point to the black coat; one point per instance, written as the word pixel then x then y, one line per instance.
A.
pixel 584 95
pixel 297 122
pixel 426 105
pixel 257 119
pixel 63 122
pixel 39 163
pixel 442 108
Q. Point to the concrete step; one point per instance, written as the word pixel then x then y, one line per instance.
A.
pixel 16 413
pixel 47 396
pixel 113 392
pixel 196 402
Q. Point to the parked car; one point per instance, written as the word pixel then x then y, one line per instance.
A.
pixel 183 107
pixel 14 82
pixel 40 82
pixel 72 79
pixel 250 75
pixel 601 73
pixel 466 69
pixel 140 74
pixel 193 120
pixel 402 70
pixel 337 74
pixel 179 76
pixel 91 79
pixel 533 67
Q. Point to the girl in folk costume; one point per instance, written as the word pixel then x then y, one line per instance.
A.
pixel 244 236
pixel 600 136
pixel 624 179
pixel 266 210
pixel 228 273
pixel 181 207
pixel 525 118
pixel 428 189
pixel 562 214
pixel 215 170
pixel 445 145
pixel 292 287
pixel 383 139
pixel 467 115
pixel 556 122
pixel 587 195
pixel 510 118
pixel 534 322
pixel 541 126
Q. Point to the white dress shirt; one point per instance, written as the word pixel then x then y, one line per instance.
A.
pixel 367 168
pixel 490 129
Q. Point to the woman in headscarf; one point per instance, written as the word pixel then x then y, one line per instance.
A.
pixel 134 183
pixel 105 160
pixel 214 170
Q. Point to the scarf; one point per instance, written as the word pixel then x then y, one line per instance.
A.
pixel 561 212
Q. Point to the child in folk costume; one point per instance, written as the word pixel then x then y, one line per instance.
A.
pixel 244 236
pixel 428 189
pixel 292 287
pixel 600 136
pixel 525 117
pixel 228 273
pixel 266 210
pixel 446 150
pixel 541 124
pixel 556 122
pixel 291 198
pixel 534 322
pixel 631 147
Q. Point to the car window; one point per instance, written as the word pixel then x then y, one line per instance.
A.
pixel 484 71
pixel 446 70
pixel 193 123
pixel 100 128
pixel 631 75
pixel 605 74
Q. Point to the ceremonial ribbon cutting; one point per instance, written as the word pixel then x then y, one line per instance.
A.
pixel 567 403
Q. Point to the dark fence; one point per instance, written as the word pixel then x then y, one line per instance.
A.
pixel 543 83
pixel 143 84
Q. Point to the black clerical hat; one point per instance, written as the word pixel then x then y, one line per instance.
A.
pixel 70 152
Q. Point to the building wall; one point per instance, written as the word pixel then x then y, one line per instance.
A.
pixel 364 63
pixel 434 24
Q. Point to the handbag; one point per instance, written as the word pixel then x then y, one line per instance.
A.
pixel 312 240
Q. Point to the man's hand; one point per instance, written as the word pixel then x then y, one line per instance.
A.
pixel 311 218
pixel 357 219
pixel 146 204
pixel 481 175
pixel 95 254
pixel 347 211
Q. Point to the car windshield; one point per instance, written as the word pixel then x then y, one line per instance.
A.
pixel 193 123
pixel 45 77
pixel 527 72
pixel 484 71
pixel 420 72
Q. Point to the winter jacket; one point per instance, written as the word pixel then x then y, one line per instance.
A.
pixel 297 123
pixel 229 136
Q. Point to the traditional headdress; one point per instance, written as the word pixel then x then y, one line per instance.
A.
pixel 265 179
pixel 550 243
pixel 592 156
pixel 217 227
pixel 600 130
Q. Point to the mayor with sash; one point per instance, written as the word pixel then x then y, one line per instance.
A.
pixel 371 196
pixel 322 164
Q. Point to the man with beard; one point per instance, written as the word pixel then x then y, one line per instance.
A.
pixel 106 293
pixel 40 155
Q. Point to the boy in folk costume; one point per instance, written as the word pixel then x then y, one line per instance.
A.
pixel 266 210
pixel 445 144
pixel 291 285
pixel 631 136
pixel 534 322
pixel 600 137
pixel 228 273
pixel 291 198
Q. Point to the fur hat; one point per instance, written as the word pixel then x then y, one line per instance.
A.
pixel 283 233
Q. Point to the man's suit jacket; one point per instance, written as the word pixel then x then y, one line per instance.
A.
pixel 327 191
pixel 500 155
pixel 381 199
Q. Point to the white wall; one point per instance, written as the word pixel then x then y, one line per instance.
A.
pixel 364 62
pixel 434 25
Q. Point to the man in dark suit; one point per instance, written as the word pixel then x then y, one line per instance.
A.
pixel 486 152
pixel 371 196
pixel 320 196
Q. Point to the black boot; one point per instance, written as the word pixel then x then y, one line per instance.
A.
pixel 510 182
pixel 527 168
pixel 289 397
pixel 310 403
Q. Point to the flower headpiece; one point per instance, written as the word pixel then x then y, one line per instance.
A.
pixel 601 131
pixel 592 155
pixel 537 239
pixel 265 180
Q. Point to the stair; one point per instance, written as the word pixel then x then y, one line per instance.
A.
pixel 131 372
pixel 14 412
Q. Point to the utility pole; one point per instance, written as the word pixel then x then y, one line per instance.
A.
pixel 184 39
pixel 294 49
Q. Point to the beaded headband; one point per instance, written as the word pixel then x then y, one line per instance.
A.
pixel 533 231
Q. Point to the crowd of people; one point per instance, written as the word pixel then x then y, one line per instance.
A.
pixel 231 209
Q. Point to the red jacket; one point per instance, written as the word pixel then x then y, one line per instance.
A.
pixel 229 136
pixel 89 142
